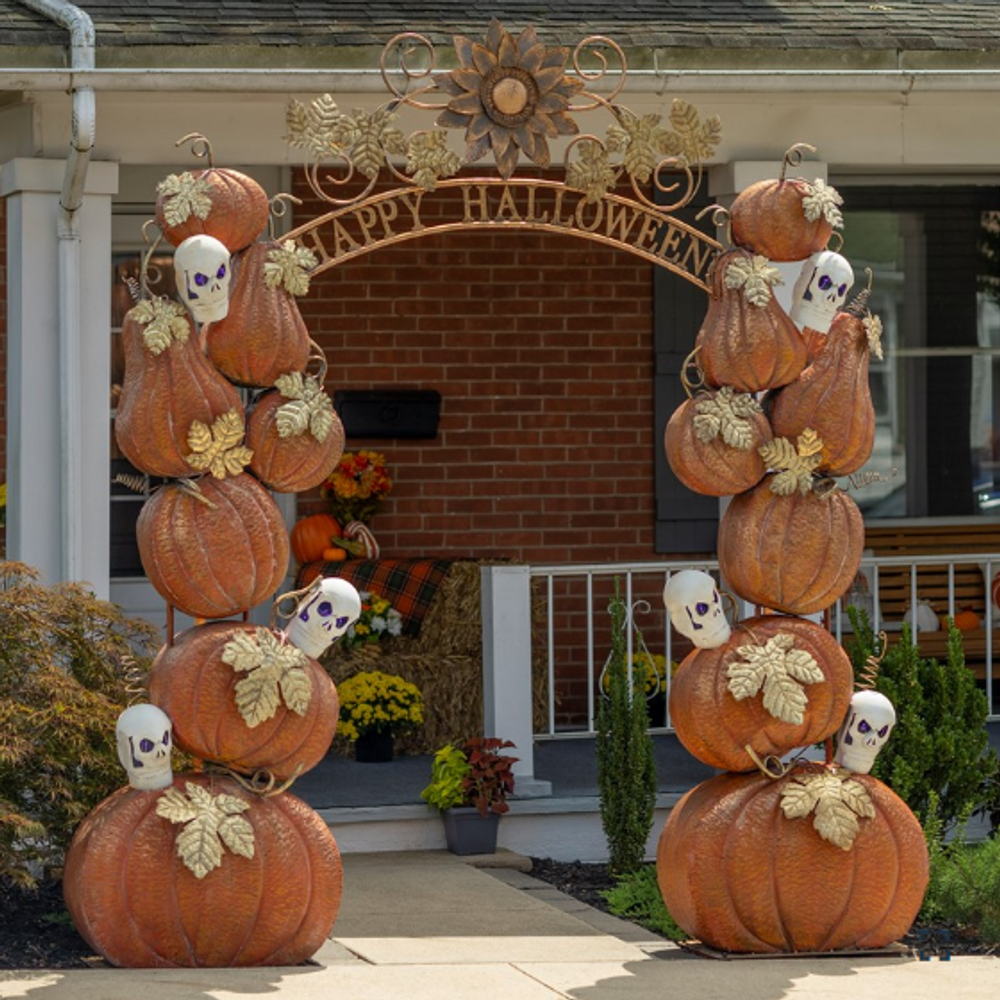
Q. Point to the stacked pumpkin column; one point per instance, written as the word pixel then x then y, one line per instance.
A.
pixel 780 855
pixel 221 866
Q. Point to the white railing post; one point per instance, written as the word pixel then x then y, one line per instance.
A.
pixel 507 699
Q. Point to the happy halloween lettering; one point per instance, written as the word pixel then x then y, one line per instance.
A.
pixel 401 215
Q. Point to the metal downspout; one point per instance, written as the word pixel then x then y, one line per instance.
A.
pixel 82 133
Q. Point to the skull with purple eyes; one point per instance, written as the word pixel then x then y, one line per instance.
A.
pixel 696 608
pixel 325 613
pixel 823 284
pixel 202 271
pixel 144 739
pixel 865 730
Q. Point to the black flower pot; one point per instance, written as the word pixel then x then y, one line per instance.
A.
pixel 374 747
pixel 467 831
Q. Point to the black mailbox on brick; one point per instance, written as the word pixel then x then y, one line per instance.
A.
pixel 388 413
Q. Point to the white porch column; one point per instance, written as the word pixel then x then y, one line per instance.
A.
pixel 35 493
pixel 506 606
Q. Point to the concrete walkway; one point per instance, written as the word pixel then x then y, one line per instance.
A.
pixel 432 926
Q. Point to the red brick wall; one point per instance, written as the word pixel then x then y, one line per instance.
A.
pixel 541 347
pixel 3 348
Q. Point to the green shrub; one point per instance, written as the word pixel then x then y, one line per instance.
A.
pixel 626 770
pixel 637 897
pixel 65 659
pixel 939 750
pixel 965 889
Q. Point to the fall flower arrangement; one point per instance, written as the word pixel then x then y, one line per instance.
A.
pixel 378 620
pixel 654 669
pixel 373 701
pixel 357 486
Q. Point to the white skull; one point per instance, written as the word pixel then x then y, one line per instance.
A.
pixel 144 741
pixel 202 269
pixel 822 286
pixel 868 724
pixel 695 608
pixel 327 611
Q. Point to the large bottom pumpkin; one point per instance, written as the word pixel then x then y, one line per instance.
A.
pixel 135 902
pixel 739 875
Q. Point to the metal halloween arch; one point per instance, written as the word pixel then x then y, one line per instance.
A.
pixel 511 95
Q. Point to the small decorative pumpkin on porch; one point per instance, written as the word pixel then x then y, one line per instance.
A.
pixel 712 442
pixel 311 536
pixel 817 860
pixel 213 548
pixel 203 874
pixel 263 335
pixel 169 384
pixel 244 697
pixel 777 684
pixel 788 218
pixel 792 543
pixel 747 341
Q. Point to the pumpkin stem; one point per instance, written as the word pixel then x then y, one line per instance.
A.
pixel 200 146
pixel 190 488
pixel 720 217
pixel 771 766
pixel 794 155
pixel 261 782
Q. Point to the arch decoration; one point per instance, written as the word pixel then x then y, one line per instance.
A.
pixel 511 95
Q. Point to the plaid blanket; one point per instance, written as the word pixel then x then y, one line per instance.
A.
pixel 408 584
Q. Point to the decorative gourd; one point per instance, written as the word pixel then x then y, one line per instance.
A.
pixel 263 335
pixel 712 442
pixel 786 219
pixel 241 696
pixel 777 684
pixel 264 889
pixel 965 620
pixel 923 618
pixel 833 396
pixel 786 546
pixel 295 435
pixel 312 535
pixel 744 866
pixel 169 384
pixel 213 549
pixel 747 341
pixel 223 203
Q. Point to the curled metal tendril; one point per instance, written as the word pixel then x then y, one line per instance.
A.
pixel 692 376
pixel 262 783
pixel 318 183
pixel 825 486
pixel 146 270
pixel 277 208
pixel 770 766
pixel 404 46
pixel 721 216
pixel 135 679
pixel 673 163
pixel 318 355
pixel 593 47
pixel 292 595
pixel 794 156
pixel 868 676
pixel 840 241
pixel 200 146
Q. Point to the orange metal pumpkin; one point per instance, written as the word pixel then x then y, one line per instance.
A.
pixel 296 461
pixel 747 341
pixel 263 335
pixel 795 553
pixel 134 900
pixel 167 387
pixel 777 684
pixel 697 443
pixel 216 550
pixel 739 874
pixel 218 202
pixel 311 536
pixel 241 696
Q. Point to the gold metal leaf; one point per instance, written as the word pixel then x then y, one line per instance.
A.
pixel 309 408
pixel 288 267
pixel 217 449
pixel 726 413
pixel 838 801
pixel 314 127
pixel 823 201
pixel 755 275
pixel 210 824
pixel 591 173
pixel 428 158
pixel 186 195
pixel 164 323
pixel 275 671
pixel 698 139
pixel 782 671
pixel 873 328
pixel 371 137
pixel 793 465
pixel 643 142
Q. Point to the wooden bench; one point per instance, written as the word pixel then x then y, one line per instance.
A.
pixel 895 587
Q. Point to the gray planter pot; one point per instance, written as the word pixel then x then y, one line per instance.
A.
pixel 468 832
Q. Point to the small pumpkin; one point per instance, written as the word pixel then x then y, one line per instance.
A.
pixel 169 384
pixel 311 537
pixel 214 549
pixel 219 202
pixel 777 684
pixel 712 442
pixel 747 341
pixel 295 435
pixel 263 336
pixel 744 864
pixel 271 897
pixel 335 554
pixel 965 620
pixel 241 696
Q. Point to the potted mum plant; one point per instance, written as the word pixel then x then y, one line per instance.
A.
pixel 470 784
pixel 374 708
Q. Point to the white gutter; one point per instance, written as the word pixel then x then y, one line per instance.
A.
pixel 82 128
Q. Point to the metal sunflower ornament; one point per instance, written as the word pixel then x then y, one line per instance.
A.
pixel 510 95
